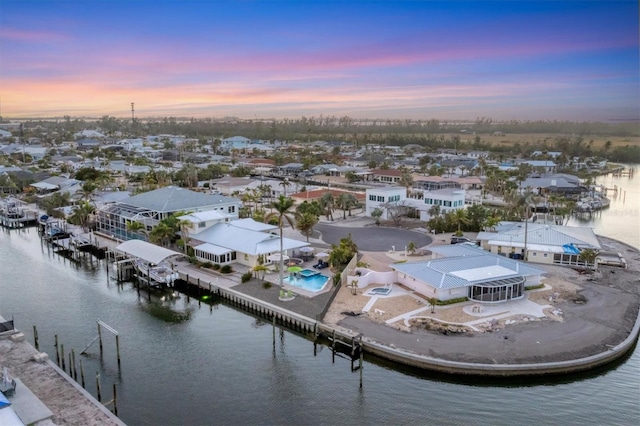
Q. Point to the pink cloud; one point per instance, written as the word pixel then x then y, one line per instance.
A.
pixel 14 34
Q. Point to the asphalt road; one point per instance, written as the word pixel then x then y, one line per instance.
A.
pixel 373 238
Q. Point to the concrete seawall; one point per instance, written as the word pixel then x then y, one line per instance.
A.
pixel 466 368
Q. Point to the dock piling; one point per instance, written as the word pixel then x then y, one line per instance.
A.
pixel 57 351
pixel 98 388
pixel 81 373
pixel 35 339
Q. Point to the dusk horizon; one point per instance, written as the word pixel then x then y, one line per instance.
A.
pixel 572 60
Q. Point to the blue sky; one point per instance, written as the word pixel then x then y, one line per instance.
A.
pixel 272 59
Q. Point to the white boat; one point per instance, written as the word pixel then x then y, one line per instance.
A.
pixel 159 275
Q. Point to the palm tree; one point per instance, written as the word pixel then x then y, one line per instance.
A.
pixel 460 218
pixel 260 271
pixel 328 204
pixel 588 256
pixel 82 214
pixel 137 228
pixel 282 214
pixel 491 222
pixel 284 184
pixel 345 201
pixel 376 214
pixel 184 226
pixel 406 180
pixel 161 234
pixel 305 223
pixel 411 247
pixel 88 190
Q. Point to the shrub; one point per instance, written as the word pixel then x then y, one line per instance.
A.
pixel 266 285
pixel 246 277
pixel 207 265
pixel 336 279
pixel 215 266
pixel 225 269
pixel 534 287
pixel 451 301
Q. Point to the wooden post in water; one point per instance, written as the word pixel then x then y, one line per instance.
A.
pixel 62 356
pixel 100 337
pixel 115 400
pixel 361 359
pixel 99 390
pixel 35 338
pixel 81 372
pixel 73 363
pixel 118 348
pixel 57 351
pixel 70 366
pixel 333 346
pixel 274 331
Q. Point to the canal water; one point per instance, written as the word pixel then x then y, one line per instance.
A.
pixel 185 363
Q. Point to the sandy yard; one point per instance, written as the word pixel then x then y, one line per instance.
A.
pixel 562 285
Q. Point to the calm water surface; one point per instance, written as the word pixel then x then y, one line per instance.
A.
pixel 190 364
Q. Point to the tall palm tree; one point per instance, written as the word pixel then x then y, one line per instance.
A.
pixel 460 218
pixel 88 190
pixel 406 180
pixel 305 223
pixel 161 234
pixel 137 228
pixel 82 214
pixel 283 213
pixel 284 184
pixel 328 204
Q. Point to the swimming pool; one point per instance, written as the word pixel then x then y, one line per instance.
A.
pixel 313 283
pixel 306 273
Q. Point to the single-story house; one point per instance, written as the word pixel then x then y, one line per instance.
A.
pixel 242 242
pixel 545 243
pixel 459 271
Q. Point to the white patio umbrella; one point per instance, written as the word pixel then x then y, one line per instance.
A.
pixel 322 255
pixel 306 249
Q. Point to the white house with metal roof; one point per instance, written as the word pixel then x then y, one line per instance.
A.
pixel 545 243
pixel 151 207
pixel 241 241
pixel 459 271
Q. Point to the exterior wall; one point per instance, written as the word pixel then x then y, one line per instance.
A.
pixel 447 200
pixel 369 277
pixel 540 257
pixel 382 196
pixel 427 290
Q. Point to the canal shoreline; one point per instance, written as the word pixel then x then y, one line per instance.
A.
pixel 593 334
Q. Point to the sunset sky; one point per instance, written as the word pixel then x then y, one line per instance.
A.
pixel 573 60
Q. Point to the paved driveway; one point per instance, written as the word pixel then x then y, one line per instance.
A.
pixel 373 238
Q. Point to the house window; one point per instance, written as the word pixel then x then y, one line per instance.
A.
pixel 202 224
pixel 232 209
pixel 545 255
pixel 372 198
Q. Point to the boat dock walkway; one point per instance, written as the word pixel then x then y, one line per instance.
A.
pixel 44 394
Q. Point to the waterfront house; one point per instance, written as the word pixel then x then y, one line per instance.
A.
pixel 384 197
pixel 545 243
pixel 151 207
pixel 243 241
pixel 461 271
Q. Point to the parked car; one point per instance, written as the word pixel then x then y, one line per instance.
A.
pixel 458 240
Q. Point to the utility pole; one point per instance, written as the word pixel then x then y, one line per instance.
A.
pixel 133 118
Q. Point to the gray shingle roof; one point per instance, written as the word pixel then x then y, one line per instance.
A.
pixel 439 273
pixel 174 199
